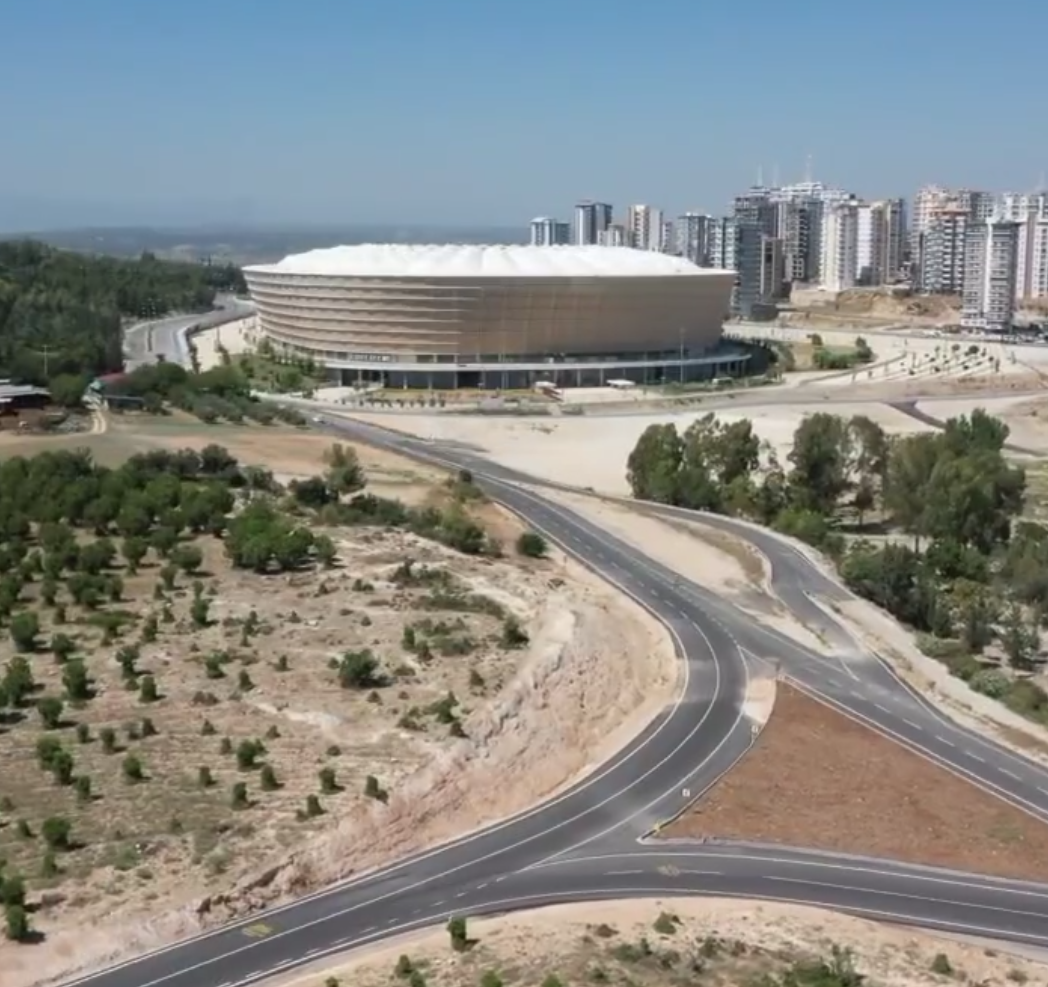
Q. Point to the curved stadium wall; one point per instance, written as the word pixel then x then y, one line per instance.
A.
pixel 453 322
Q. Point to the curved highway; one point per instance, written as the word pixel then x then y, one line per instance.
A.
pixel 593 841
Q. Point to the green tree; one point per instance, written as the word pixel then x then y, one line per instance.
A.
pixel 187 557
pixel 239 799
pixel 133 769
pixel 24 628
pixel 654 465
pixel 76 681
pixel 532 545
pixel 147 690
pixel 459 934
pixel 17 923
pixel 822 460
pixel 344 474
pixel 50 709
pixel 134 549
pixel 56 831
pixel 358 670
pixel 1020 640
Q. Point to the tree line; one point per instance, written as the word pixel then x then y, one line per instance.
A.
pixel 63 312
pixel 926 525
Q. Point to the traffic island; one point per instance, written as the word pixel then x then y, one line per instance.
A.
pixel 817 779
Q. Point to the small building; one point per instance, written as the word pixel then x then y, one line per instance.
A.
pixel 15 398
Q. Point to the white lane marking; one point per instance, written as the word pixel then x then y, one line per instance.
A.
pixel 903 894
pixel 883 709
pixel 620 873
pixel 907 871
pixel 910 723
pixel 982 760
pixel 1009 773
pixel 481 887
pixel 948 743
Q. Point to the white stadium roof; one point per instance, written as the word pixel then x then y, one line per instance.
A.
pixel 466 261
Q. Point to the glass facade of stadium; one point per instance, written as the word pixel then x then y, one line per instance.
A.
pixel 501 372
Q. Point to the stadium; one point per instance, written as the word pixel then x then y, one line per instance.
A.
pixel 498 317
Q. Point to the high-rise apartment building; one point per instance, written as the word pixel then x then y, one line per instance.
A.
pixel 940 251
pixel 720 250
pixel 693 236
pixel 990 266
pixel 802 210
pixel 881 241
pixel 616 235
pixel 839 265
pixel 931 200
pixel 889 240
pixel 1030 211
pixel 549 232
pixel 591 219
pixel 644 226
pixel 799 226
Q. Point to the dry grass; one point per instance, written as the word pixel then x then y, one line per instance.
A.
pixel 865 795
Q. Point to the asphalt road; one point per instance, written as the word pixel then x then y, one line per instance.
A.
pixel 146 342
pixel 593 840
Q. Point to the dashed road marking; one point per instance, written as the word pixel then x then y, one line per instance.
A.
pixel 916 726
pixel 948 743
pixel 1010 774
pixel 981 760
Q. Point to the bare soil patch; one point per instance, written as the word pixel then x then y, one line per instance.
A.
pixel 816 778
pixel 658 943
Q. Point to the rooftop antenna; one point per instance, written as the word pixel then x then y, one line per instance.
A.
pixel 760 176
pixel 808 168
pixel 1040 183
pixel 775 176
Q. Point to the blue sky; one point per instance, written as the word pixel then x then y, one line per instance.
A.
pixel 479 111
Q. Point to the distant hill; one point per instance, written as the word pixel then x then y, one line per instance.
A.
pixel 245 245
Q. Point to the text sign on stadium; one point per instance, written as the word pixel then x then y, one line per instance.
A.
pixel 369 357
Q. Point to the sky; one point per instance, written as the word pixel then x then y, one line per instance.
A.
pixel 492 111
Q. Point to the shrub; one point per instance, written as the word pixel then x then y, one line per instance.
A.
pixel 267 779
pixel 56 831
pixel 991 682
pixel 532 545
pixel 458 933
pixel 239 798
pixel 147 690
pixel 50 709
pixel 132 769
pixel 328 784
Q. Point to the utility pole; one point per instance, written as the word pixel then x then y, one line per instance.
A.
pixel 45 352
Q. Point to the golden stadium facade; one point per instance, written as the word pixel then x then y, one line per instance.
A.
pixel 496 316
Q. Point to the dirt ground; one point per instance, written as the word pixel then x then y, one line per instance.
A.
pixel 867 796
pixel 718 942
pixel 165 857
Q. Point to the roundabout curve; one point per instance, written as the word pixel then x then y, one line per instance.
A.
pixel 593 840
